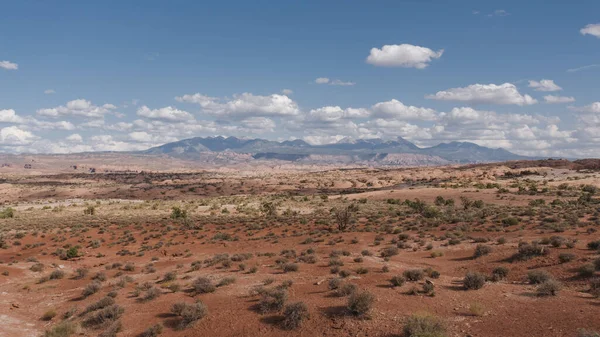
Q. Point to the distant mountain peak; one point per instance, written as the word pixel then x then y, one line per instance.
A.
pixel 455 151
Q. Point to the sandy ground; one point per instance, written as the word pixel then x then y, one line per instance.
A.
pixel 132 215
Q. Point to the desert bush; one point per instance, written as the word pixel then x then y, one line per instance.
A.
pixel 151 294
pixel 290 267
pixel 397 281
pixel 90 210
pixel 178 213
pixel 334 283
pixel 548 288
pixel 594 245
pixel 360 303
pixel 189 313
pixel 104 316
pixel 345 290
pixel 424 326
pixel 112 329
pixel 272 300
pixel 566 257
pixel 499 273
pixel 91 289
pixel 152 331
pixel 80 273
pixel 587 333
pixel 389 251
pixel 7 213
pixel 362 270
pixel 57 274
pixel 538 276
pixel 62 329
pixel 527 251
pixel 481 250
pixel 203 285
pixel 586 270
pixel 413 274
pixel 595 286
pixel 103 303
pixel 226 281
pixel 38 267
pixel 48 315
pixel 474 281
pixel 294 314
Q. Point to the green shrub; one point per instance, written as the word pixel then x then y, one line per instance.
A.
pixel 538 276
pixel 548 288
pixel 424 326
pixel 474 281
pixel 360 303
pixel 294 314
pixel 414 274
pixel 189 313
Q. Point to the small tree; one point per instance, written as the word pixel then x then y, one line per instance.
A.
pixel 269 209
pixel 343 216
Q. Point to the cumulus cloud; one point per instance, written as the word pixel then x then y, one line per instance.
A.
pixel 8 65
pixel 591 108
pixel 544 85
pixel 13 135
pixel 403 55
pixel 80 108
pixel 591 29
pixel 287 92
pixel 167 113
pixel 506 93
pixel 551 99
pixel 74 138
pixel 244 105
pixel 397 110
pixel 325 80
pixel 10 116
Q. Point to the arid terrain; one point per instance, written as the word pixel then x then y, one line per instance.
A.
pixel 160 248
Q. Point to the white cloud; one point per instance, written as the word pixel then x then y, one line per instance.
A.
pixel 325 80
pixel 544 85
pixel 591 29
pixel 591 108
pixel 397 110
pixel 551 99
pixel 287 92
pixel 167 113
pixel 49 91
pixel 74 138
pixel 321 140
pixel 8 65
pixel 589 66
pixel 10 116
pixel 335 113
pixel 13 135
pixel 506 93
pixel 342 83
pixel 78 107
pixel 244 105
pixel 403 55
pixel 500 12
pixel 262 124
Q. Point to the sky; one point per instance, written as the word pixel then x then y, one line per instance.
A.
pixel 78 76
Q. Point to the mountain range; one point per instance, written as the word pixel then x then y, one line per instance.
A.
pixel 393 152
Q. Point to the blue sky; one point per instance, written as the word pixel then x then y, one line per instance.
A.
pixel 127 75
